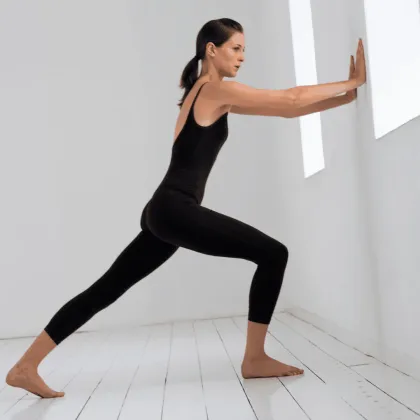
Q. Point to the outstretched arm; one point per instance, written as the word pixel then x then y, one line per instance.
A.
pixel 293 102
pixel 296 112
pixel 282 103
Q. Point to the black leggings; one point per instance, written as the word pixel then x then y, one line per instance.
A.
pixel 169 221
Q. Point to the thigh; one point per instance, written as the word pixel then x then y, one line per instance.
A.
pixel 204 230
pixel 140 258
pixel 143 255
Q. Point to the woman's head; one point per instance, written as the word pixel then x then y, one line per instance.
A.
pixel 220 46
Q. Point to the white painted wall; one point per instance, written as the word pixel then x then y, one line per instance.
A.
pixel 353 229
pixel 89 104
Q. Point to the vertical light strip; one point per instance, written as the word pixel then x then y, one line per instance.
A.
pixel 393 40
pixel 305 67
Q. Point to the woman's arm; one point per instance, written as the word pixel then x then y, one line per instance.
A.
pixel 283 103
pixel 299 112
pixel 297 101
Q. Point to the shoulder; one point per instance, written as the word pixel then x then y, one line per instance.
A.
pixel 213 92
pixel 221 92
pixel 221 86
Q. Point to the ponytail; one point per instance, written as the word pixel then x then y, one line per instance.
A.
pixel 189 77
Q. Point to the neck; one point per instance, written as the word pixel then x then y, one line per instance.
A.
pixel 210 72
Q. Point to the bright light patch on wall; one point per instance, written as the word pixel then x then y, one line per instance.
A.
pixel 305 68
pixel 393 41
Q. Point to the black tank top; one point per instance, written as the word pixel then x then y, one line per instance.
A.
pixel 194 153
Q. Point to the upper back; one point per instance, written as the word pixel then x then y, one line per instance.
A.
pixel 200 107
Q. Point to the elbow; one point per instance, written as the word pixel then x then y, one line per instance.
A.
pixel 295 99
pixel 288 107
pixel 293 108
pixel 291 113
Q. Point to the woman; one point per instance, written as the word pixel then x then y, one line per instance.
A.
pixel 174 216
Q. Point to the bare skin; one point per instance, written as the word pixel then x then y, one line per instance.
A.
pixel 256 363
pixel 24 374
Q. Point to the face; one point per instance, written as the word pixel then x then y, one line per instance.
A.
pixel 229 56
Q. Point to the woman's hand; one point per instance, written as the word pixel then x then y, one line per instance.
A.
pixel 360 68
pixel 357 71
pixel 352 94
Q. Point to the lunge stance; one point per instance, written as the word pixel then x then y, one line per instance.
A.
pixel 174 216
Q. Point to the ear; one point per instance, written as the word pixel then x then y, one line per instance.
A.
pixel 211 49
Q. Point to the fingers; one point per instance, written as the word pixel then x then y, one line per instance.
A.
pixel 352 66
pixel 360 48
pixel 360 55
pixel 360 65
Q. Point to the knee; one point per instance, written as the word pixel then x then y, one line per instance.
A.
pixel 278 252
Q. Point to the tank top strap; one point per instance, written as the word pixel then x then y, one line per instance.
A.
pixel 196 96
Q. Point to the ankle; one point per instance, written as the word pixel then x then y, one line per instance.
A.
pixel 26 365
pixel 253 357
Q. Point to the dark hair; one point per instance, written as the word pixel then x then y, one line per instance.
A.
pixel 217 31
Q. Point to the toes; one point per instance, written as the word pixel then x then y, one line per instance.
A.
pixel 52 394
pixel 57 394
pixel 295 372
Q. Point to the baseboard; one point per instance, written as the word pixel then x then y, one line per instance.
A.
pixel 390 357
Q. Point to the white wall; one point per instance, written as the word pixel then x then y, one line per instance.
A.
pixel 89 94
pixel 353 229
pixel 89 99
pixel 331 261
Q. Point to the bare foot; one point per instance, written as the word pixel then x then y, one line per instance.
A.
pixel 26 377
pixel 267 367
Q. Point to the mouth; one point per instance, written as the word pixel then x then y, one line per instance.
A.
pixel 237 67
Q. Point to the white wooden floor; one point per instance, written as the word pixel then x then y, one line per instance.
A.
pixel 191 371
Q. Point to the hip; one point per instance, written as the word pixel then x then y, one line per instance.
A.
pixel 168 209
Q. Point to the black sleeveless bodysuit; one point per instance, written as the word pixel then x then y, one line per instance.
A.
pixel 174 218
pixel 194 153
